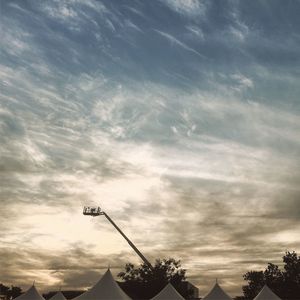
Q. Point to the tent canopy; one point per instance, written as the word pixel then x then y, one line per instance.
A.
pixel 266 294
pixel 30 294
pixel 167 293
pixel 58 296
pixel 217 293
pixel 105 289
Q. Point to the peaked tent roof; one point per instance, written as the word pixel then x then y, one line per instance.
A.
pixel 31 294
pixel 167 293
pixel 105 289
pixel 217 293
pixel 58 296
pixel 266 294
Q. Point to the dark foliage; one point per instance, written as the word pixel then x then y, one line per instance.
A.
pixel 285 283
pixel 11 292
pixel 143 283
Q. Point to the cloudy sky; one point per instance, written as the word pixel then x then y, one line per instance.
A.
pixel 180 118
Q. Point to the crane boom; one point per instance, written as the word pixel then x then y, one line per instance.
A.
pixel 92 211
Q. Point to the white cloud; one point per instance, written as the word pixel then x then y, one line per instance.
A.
pixel 197 32
pixel 60 10
pixel 242 81
pixel 190 8
pixel 180 159
pixel 176 42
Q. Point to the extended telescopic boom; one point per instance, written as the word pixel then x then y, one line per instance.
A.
pixel 96 211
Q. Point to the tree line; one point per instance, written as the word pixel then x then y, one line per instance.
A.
pixel 10 292
pixel 283 282
pixel 142 282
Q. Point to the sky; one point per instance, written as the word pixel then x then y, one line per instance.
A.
pixel 180 118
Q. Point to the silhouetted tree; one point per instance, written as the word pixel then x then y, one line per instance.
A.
pixel 144 283
pixel 14 292
pixel 285 283
pixel 11 292
pixel 3 289
pixel 291 275
pixel 255 283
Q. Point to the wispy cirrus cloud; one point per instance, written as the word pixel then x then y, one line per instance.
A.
pixel 178 115
pixel 173 40
pixel 189 8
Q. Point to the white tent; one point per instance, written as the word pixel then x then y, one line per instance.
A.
pixel 266 294
pixel 167 293
pixel 105 289
pixel 58 296
pixel 217 293
pixel 30 294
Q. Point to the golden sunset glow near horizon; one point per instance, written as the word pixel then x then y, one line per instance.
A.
pixel 179 118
